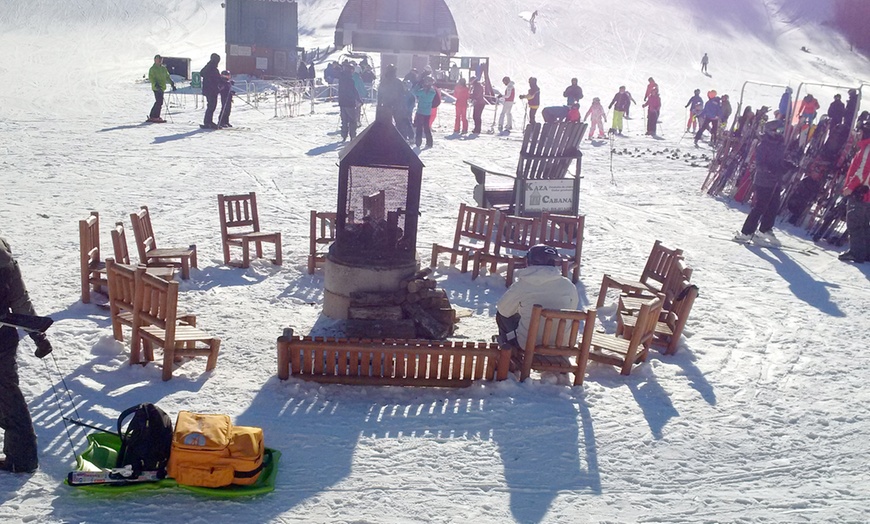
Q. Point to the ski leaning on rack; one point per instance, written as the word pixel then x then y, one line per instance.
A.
pixel 793 249
pixel 30 323
pixel 113 476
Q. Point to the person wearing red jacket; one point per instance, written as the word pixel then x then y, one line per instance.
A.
pixel 654 103
pixel 857 188
pixel 460 93
pixel 652 86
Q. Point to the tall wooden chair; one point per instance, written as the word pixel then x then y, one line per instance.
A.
pixel 240 227
pixel 322 234
pixel 150 254
pixel 156 323
pixel 93 269
pixel 516 235
pixel 653 276
pixel 122 255
pixel 122 292
pixel 474 227
pixel 565 233
pixel 669 328
pixel 625 353
pixel 559 350
pixel 631 299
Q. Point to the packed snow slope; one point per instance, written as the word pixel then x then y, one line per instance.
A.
pixel 759 417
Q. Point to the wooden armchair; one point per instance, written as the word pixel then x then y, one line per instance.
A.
pixel 631 299
pixel 93 269
pixel 670 325
pixel 625 353
pixel 565 233
pixel 147 246
pixel 516 235
pixel 474 227
pixel 155 323
pixel 653 276
pixel 323 230
pixel 166 271
pixel 240 226
pixel 559 343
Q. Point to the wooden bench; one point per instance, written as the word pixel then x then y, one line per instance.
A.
pixel 390 362
pixel 240 227
pixel 622 352
pixel 150 254
pixel 93 269
pixel 671 323
pixel 540 182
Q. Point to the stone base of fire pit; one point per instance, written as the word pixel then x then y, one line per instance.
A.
pixel 340 280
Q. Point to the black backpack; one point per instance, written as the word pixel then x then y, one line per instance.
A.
pixel 146 442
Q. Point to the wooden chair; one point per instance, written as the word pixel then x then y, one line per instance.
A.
pixel 155 323
pixel 375 206
pixel 122 292
pixel 545 155
pixel 166 271
pixel 631 299
pixel 323 230
pixel 653 276
pixel 670 326
pixel 473 233
pixel 240 226
pixel 514 238
pixel 147 245
pixel 559 343
pixel 93 269
pixel 625 353
pixel 565 233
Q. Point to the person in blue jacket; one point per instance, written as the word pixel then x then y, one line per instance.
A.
pixel 785 102
pixel 711 115
pixel 348 102
pixel 425 95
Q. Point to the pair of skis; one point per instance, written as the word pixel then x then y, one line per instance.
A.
pixel 116 476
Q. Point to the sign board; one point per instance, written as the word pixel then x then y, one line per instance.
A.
pixel 262 63
pixel 554 196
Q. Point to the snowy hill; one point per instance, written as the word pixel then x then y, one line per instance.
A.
pixel 757 418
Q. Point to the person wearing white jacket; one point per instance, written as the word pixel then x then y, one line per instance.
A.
pixel 539 283
pixel 509 93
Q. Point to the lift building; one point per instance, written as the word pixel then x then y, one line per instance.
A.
pixel 262 37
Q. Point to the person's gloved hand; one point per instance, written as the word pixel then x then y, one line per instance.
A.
pixel 43 346
pixel 173 87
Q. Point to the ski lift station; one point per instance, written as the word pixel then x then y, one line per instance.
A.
pixel 406 32
pixel 262 37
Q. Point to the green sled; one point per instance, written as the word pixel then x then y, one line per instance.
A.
pixel 102 452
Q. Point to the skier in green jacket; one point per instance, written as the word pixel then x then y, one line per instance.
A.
pixel 158 75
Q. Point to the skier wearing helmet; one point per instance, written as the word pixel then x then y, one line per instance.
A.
pixel 539 283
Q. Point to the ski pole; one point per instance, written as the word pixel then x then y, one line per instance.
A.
pixel 612 178
pixel 248 103
pixel 57 399
pixel 85 425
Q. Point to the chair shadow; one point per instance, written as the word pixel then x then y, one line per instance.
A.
pixel 650 396
pixel 334 146
pixel 800 283
pixel 222 276
pixel 179 136
pixel 329 425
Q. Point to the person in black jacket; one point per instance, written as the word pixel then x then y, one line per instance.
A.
pixel 390 95
pixel 211 87
pixel 573 93
pixel 770 167
pixel 19 440
pixel 836 111
pixel 348 102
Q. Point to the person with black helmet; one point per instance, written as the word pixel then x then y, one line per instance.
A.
pixel 770 168
pixel 539 283
pixel 19 442
pixel 857 189
pixel 211 87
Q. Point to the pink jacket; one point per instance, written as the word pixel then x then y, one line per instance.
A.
pixel 597 112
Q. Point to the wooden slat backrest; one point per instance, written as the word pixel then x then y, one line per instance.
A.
pixel 647 319
pixel 323 229
pixel 239 211
pixel 156 303
pixel 122 285
pixel 563 232
pixel 659 263
pixel 143 233
pixel 474 227
pixel 89 240
pixel 119 244
pixel 558 330
pixel 548 149
pixel 516 233
pixel 679 313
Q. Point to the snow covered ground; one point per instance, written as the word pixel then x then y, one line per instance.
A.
pixel 760 417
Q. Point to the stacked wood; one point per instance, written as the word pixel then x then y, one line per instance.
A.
pixel 418 309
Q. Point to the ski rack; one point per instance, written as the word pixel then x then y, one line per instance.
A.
pixel 790 127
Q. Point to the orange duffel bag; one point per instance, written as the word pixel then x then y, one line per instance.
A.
pixel 207 450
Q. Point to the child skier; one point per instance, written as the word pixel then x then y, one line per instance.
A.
pixel 695 105
pixel 599 116
pixel 460 93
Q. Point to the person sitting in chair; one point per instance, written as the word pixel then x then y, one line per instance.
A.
pixel 539 283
